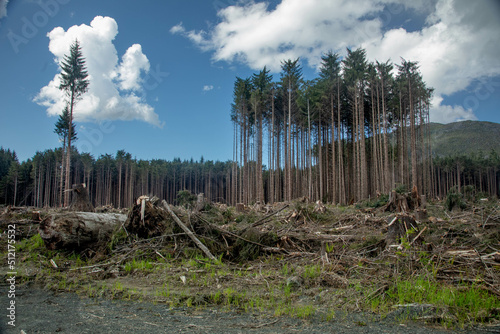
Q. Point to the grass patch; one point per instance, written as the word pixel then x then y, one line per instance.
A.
pixel 35 243
pixel 463 303
pixel 138 265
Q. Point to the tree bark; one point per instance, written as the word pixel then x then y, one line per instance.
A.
pixel 78 230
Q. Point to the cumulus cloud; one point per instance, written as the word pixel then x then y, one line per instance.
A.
pixel 208 88
pixel 129 71
pixel 457 43
pixel 115 89
pixel 442 113
pixel 3 8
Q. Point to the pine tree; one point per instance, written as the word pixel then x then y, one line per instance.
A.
pixel 261 87
pixel 329 74
pixel 74 83
pixel 291 80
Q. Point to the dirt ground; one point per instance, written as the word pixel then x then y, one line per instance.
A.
pixel 42 311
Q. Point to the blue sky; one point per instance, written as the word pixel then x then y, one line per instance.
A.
pixel 162 72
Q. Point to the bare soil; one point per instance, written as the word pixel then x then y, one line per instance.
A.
pixel 45 311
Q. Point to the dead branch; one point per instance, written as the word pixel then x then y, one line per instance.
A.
pixel 188 231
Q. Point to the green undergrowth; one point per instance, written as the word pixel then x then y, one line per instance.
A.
pixel 461 305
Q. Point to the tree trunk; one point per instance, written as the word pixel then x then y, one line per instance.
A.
pixel 62 173
pixel 78 230
pixel 68 153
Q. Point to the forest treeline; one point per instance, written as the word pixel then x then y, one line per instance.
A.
pixel 115 180
pixel 118 180
pixel 358 130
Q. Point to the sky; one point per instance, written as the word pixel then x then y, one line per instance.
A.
pixel 162 72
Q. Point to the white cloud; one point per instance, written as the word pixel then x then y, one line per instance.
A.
pixel 129 71
pixel 3 8
pixel 115 88
pixel 208 88
pixel 177 29
pixel 442 113
pixel 458 43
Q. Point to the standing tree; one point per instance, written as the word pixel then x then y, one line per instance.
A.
pixel 291 80
pixel 329 74
pixel 355 68
pixel 261 90
pixel 62 130
pixel 74 83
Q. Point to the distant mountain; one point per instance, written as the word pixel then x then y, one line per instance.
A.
pixel 464 138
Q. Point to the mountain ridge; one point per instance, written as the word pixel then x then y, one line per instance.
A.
pixel 464 138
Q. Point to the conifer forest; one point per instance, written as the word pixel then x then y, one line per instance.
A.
pixel 356 131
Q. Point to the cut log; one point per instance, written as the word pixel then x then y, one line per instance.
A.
pixel 81 200
pixel 78 230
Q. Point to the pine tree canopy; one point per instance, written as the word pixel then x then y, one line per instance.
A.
pixel 73 72
pixel 61 126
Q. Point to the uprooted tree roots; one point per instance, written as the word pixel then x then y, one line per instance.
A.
pixel 148 219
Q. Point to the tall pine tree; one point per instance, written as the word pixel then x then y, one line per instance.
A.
pixel 74 83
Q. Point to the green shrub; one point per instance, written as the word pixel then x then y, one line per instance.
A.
pixel 454 199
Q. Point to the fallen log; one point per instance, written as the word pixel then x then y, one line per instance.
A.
pixel 322 237
pixel 78 230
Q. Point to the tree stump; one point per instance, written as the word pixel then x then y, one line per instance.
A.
pixel 319 207
pixel 201 201
pixel 240 207
pixel 421 214
pixel 78 230
pixel 81 200
pixel 402 203
pixel 400 228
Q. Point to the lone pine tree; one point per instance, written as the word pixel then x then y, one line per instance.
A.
pixel 74 83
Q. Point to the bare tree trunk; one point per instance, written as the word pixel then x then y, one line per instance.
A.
pixel 272 185
pixel 62 172
pixel 334 167
pixel 68 154
pixel 414 176
pixel 363 169
pixel 289 148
